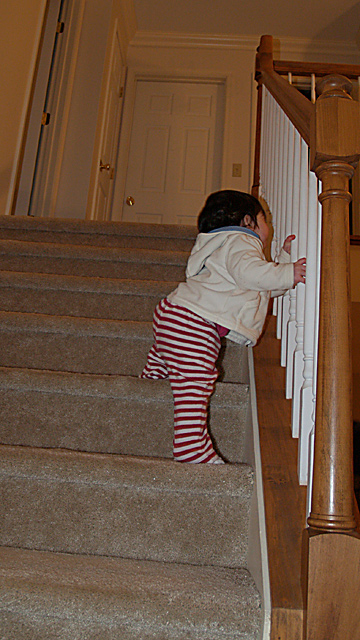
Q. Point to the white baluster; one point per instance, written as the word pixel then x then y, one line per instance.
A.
pixel 306 419
pixel 274 186
pixel 276 178
pixel 264 144
pixel 288 220
pixel 316 343
pixel 300 289
pixel 283 133
pixel 269 166
pixel 295 207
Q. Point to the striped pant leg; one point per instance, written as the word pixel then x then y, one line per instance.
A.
pixel 189 345
pixel 155 368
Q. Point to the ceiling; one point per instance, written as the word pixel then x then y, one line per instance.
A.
pixel 326 20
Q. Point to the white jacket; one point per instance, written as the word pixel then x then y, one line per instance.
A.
pixel 228 281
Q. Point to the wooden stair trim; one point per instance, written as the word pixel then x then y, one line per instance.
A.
pixel 285 500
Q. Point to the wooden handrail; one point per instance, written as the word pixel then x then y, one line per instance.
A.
pixel 298 108
pixel 331 544
pixel 283 67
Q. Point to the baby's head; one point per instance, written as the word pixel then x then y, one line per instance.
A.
pixel 233 208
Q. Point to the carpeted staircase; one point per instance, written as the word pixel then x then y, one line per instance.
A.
pixel 103 536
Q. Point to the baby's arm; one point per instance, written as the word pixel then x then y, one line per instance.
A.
pixel 252 271
pixel 287 243
pixel 299 265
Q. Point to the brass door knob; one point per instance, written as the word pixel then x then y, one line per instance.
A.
pixel 104 167
pixel 130 201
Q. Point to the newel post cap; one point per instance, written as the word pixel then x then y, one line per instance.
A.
pixel 335 126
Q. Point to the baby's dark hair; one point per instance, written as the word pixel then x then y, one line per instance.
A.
pixel 227 208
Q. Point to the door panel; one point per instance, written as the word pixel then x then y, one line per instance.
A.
pixel 172 151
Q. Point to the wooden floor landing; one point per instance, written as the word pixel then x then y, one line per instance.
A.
pixel 285 500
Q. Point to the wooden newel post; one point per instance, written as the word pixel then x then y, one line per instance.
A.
pixel 335 148
pixel 331 546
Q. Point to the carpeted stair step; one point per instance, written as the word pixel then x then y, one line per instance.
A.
pixel 48 596
pixel 109 414
pixel 80 296
pixel 88 345
pixel 124 506
pixel 92 261
pixel 103 234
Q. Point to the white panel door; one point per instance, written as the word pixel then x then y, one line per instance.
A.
pixel 175 151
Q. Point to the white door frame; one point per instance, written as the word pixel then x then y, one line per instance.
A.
pixel 126 128
pixel 90 214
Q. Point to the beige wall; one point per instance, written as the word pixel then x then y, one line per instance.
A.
pixel 230 59
pixel 167 55
pixel 20 30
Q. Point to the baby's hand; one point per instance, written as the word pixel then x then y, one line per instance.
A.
pixel 299 271
pixel 287 243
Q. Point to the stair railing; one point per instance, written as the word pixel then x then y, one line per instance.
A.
pixel 302 146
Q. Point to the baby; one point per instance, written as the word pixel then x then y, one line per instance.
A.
pixel 227 290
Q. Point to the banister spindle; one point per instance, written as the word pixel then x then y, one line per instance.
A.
pixel 334 153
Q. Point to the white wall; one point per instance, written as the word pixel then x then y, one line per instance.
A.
pixel 231 59
pixel 20 31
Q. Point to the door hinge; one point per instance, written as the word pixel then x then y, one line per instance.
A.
pixel 60 27
pixel 45 118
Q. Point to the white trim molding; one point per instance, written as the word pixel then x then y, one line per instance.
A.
pixel 285 47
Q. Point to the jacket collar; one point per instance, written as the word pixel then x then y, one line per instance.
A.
pixel 249 232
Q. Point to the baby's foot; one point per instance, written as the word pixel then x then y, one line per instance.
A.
pixel 216 460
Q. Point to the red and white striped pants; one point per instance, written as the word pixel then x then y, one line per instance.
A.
pixel 185 350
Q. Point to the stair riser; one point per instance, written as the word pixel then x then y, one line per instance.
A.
pixel 88 268
pixel 128 524
pixel 83 239
pixel 76 505
pixel 89 304
pixel 130 426
pixel 59 596
pixel 97 354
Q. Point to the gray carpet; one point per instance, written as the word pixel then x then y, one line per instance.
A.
pixel 102 534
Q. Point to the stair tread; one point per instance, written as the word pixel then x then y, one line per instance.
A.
pixel 69 489
pixel 76 252
pixel 109 413
pixel 14 321
pixel 125 506
pixel 151 474
pixel 134 599
pixel 108 386
pixel 95 233
pixel 92 345
pixel 50 281
pixel 72 225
